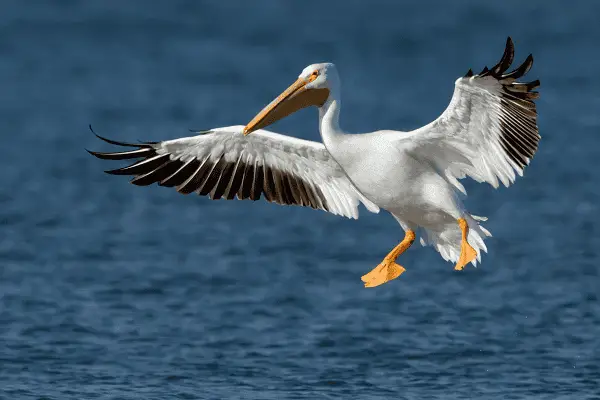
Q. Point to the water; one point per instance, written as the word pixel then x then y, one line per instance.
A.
pixel 111 291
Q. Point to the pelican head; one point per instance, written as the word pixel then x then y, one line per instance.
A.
pixel 312 88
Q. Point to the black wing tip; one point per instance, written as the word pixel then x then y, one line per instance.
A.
pixel 102 138
pixel 534 84
pixel 117 143
pixel 94 153
pixel 100 155
pixel 506 60
pixel 508 78
pixel 521 70
pixel 118 171
pixel 529 61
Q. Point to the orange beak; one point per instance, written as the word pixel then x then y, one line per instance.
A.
pixel 294 98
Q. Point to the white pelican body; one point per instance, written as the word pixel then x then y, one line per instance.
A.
pixel 488 132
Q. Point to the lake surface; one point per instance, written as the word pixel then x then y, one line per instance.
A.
pixel 110 291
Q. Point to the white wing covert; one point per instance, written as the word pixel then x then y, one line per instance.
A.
pixel 223 163
pixel 488 131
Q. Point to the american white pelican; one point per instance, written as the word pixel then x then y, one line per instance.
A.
pixel 488 133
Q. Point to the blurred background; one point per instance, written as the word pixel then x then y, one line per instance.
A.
pixel 112 291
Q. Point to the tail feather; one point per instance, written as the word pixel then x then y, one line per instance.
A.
pixel 447 240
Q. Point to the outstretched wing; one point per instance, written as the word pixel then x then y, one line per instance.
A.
pixel 488 132
pixel 223 163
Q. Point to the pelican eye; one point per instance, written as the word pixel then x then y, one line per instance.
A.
pixel 313 76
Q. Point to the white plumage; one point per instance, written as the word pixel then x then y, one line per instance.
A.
pixel 488 132
pixel 297 159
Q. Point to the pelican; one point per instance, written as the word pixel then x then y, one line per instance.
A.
pixel 488 133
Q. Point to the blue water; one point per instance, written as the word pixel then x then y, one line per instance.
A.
pixel 111 291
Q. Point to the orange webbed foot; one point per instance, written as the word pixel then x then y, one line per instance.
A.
pixel 467 252
pixel 384 272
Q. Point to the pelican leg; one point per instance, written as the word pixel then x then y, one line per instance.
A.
pixel 388 269
pixel 467 253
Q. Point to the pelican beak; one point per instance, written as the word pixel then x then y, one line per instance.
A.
pixel 294 98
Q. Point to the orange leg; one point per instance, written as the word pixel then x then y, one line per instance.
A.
pixel 467 253
pixel 388 269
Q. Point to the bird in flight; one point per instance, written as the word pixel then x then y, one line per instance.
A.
pixel 488 133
